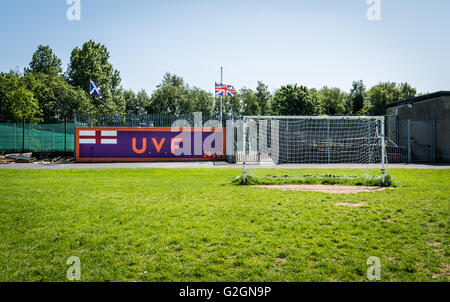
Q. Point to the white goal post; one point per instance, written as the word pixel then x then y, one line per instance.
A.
pixel 313 140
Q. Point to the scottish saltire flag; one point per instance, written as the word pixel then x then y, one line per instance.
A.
pixel 227 90
pixel 95 90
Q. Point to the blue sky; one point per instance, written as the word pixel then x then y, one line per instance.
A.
pixel 308 42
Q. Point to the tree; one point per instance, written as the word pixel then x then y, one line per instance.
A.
pixel 226 105
pixel 169 96
pixel 387 92
pixel 263 98
pixel 91 62
pixel 22 105
pixel 130 102
pixel 16 101
pixel 294 100
pixel 136 103
pixel 249 102
pixel 235 105
pixel 57 98
pixel 406 91
pixel 378 97
pixel 332 101
pixel 201 101
pixel 356 98
pixel 174 96
pixel 45 61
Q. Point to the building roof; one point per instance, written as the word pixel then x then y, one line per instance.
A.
pixel 421 98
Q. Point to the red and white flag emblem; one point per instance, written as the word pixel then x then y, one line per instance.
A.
pixel 98 137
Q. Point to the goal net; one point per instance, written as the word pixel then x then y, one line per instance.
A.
pixel 285 149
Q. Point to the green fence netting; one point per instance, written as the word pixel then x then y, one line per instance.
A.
pixel 41 137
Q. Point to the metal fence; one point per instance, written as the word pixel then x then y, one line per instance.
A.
pixel 148 120
pixel 410 141
pixel 407 141
pixel 23 137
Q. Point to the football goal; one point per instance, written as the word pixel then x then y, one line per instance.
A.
pixel 276 149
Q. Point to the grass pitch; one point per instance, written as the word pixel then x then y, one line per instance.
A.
pixel 195 225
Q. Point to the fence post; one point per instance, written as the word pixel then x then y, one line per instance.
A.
pixel 54 140
pixel 287 141
pixel 243 148
pixel 433 141
pixel 229 140
pixel 23 134
pixel 75 134
pixel 15 134
pixel 370 151
pixel 409 141
pixel 65 134
pixel 397 130
pixel 328 134
pixel 31 138
pixel 383 150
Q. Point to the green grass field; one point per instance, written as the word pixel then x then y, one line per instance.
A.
pixel 195 225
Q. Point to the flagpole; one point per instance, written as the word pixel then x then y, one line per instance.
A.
pixel 221 97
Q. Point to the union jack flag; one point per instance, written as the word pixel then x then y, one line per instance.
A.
pixel 227 90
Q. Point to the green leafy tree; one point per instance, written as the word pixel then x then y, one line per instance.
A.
pixel 163 100
pixel 332 101
pixel 235 105
pixel 130 102
pixel 22 104
pixel 57 98
pixel 174 96
pixel 356 98
pixel 201 101
pixel 295 100
pixel 387 92
pixel 45 61
pixel 225 105
pixel 406 91
pixel 249 102
pixel 232 105
pixel 136 103
pixel 168 98
pixel 16 101
pixel 378 97
pixel 91 62
pixel 263 98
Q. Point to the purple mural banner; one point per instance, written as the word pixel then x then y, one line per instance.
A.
pixel 148 144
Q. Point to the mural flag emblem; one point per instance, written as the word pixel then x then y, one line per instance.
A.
pixel 96 137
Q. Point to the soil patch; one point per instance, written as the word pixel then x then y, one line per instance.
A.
pixel 352 205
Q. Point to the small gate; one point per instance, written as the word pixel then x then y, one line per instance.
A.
pixel 410 141
pixel 418 137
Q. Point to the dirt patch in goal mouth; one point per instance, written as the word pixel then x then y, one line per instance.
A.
pixel 332 189
pixel 352 205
